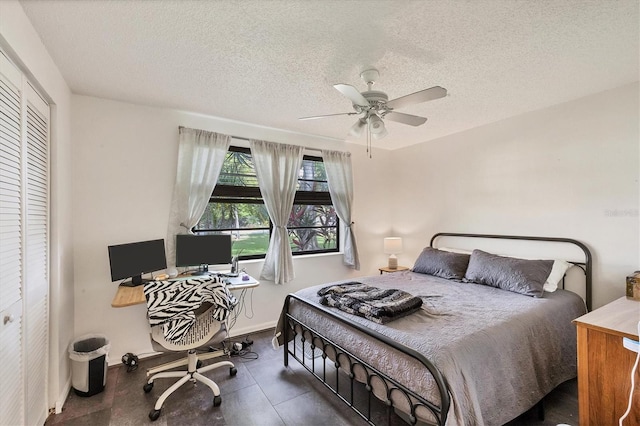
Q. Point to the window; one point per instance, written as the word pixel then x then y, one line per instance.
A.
pixel 236 207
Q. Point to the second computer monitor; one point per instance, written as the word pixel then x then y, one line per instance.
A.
pixel 196 250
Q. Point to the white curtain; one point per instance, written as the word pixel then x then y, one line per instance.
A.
pixel 200 158
pixel 277 167
pixel 340 179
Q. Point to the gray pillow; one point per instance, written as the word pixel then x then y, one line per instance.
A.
pixel 508 273
pixel 442 264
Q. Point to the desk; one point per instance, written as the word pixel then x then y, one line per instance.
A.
pixel 129 296
pixel 604 365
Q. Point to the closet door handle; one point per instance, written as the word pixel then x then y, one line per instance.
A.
pixel 9 318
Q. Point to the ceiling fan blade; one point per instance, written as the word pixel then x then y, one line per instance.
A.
pixel 425 95
pixel 327 115
pixel 400 117
pixel 352 93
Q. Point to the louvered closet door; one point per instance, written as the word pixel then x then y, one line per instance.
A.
pixel 36 283
pixel 24 249
pixel 11 234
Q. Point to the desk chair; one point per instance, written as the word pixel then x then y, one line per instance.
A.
pixel 206 331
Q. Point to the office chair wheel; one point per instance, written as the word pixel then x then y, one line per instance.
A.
pixel 147 388
pixel 154 414
pixel 217 400
pixel 233 371
pixel 199 364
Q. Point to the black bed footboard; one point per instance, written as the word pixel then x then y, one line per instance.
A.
pixel 358 372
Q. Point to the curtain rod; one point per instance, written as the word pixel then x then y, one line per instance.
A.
pixel 246 139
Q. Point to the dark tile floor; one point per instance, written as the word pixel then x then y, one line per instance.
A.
pixel 262 393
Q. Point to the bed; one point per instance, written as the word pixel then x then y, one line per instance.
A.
pixel 472 354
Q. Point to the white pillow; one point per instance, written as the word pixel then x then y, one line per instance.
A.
pixel 557 271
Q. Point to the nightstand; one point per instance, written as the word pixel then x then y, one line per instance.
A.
pixel 389 270
pixel 604 365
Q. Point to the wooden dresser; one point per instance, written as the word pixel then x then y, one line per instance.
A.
pixel 604 365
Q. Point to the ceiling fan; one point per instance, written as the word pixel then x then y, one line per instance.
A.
pixel 374 106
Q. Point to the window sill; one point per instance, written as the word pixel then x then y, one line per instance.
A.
pixel 302 256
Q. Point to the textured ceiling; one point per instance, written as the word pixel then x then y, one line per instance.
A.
pixel 270 62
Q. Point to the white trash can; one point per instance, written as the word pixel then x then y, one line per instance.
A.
pixel 88 356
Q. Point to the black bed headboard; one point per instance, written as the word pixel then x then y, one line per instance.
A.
pixel 587 254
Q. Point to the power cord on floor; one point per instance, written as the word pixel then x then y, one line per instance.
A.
pixel 240 349
pixel 246 354
pixel 243 350
pixel 131 361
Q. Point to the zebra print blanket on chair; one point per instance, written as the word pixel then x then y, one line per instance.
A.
pixel 172 303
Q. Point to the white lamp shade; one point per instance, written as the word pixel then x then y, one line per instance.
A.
pixel 393 245
pixel 376 125
pixel 380 135
pixel 356 129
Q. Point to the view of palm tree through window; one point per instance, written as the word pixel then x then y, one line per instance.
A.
pixel 236 207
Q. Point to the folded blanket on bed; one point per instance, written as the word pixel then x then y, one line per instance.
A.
pixel 375 304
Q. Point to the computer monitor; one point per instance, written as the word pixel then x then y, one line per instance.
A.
pixel 134 259
pixel 202 251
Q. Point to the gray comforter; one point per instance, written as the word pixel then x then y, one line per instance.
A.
pixel 500 352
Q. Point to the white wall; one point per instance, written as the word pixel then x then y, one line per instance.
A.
pixel 570 170
pixel 19 39
pixel 562 171
pixel 124 167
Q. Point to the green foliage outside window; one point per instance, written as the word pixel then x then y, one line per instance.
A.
pixel 236 207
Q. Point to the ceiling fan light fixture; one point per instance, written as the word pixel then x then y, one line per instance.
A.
pixel 380 135
pixel 356 129
pixel 376 125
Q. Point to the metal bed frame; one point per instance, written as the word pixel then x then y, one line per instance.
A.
pixel 352 365
pixel 586 266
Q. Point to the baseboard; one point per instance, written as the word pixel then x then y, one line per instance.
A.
pixel 117 361
pixel 62 398
pixel 234 332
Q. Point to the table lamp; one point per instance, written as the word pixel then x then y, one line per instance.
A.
pixel 393 246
